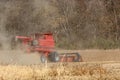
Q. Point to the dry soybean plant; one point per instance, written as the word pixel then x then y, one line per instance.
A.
pixel 54 72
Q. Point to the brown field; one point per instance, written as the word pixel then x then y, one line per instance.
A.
pixel 97 65
pixel 19 57
pixel 97 55
pixel 66 71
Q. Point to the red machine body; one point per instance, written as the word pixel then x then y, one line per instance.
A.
pixel 38 42
pixel 45 44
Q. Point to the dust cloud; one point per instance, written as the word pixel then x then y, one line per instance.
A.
pixel 22 17
pixel 4 39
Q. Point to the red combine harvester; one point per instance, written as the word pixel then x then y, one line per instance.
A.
pixel 44 44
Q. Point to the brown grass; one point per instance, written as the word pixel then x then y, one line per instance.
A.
pixel 72 71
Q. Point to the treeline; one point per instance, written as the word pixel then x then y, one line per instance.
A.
pixel 76 24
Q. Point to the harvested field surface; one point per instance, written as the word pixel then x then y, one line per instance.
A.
pixel 71 71
pixel 96 65
pixel 19 57
pixel 97 55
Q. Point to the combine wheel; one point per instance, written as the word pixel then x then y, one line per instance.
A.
pixel 78 58
pixel 54 57
pixel 43 58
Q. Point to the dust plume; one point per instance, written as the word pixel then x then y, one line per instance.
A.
pixel 25 17
pixel 4 38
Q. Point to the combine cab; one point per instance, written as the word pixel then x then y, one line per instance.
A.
pixel 44 44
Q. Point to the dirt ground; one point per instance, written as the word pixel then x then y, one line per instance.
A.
pixel 19 57
pixel 97 55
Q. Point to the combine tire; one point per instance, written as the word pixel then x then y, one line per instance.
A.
pixel 78 58
pixel 43 58
pixel 54 57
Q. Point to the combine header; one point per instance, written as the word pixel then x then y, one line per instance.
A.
pixel 44 44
